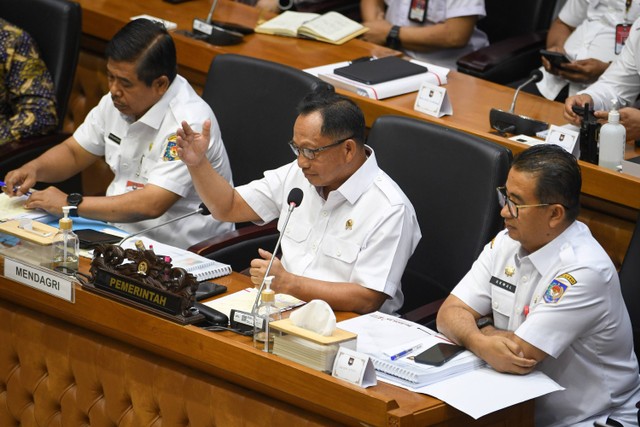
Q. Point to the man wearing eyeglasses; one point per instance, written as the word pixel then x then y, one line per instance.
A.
pixel 544 294
pixel 349 241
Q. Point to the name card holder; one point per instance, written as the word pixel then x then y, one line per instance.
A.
pixel 433 100
pixel 354 367
pixel 40 278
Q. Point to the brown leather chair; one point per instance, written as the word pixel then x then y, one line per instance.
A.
pixel 56 26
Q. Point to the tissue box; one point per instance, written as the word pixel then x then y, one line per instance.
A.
pixel 309 348
pixel 31 242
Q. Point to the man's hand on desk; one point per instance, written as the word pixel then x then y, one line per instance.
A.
pixel 51 200
pixel 577 100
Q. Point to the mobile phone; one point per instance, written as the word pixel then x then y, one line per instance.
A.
pixel 208 289
pixel 438 354
pixel 556 59
pixel 89 238
pixel 580 111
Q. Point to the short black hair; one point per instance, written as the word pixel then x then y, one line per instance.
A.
pixel 341 117
pixel 149 45
pixel 559 179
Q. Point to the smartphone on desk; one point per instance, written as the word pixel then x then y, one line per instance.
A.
pixel 438 354
pixel 90 238
pixel 556 59
pixel 207 290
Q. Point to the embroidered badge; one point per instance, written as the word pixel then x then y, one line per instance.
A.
pixel 509 270
pixel 555 291
pixel 569 278
pixel 171 150
pixel 348 225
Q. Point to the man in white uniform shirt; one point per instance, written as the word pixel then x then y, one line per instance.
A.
pixel 621 81
pixel 591 34
pixel 435 31
pixel 134 128
pixel 349 241
pixel 545 295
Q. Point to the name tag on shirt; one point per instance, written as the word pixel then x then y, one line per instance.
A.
pixel 114 138
pixel 502 284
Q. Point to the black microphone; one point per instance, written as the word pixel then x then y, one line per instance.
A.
pixel 294 199
pixel 202 209
pixel 509 122
pixel 534 77
pixel 214 33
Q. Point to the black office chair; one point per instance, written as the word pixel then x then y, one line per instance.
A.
pixel 450 177
pixel 517 30
pixel 56 26
pixel 255 103
pixel 630 284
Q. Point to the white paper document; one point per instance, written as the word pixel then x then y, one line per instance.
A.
pixel 473 388
pixel 483 391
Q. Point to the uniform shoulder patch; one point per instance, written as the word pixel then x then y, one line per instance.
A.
pixel 558 287
pixel 171 149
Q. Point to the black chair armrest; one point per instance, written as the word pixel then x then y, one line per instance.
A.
pixel 231 238
pixel 425 314
pixel 507 60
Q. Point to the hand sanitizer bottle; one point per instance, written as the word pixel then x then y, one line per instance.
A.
pixel 66 245
pixel 613 137
pixel 266 313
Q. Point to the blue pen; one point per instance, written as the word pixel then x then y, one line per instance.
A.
pixel 405 352
pixel 2 184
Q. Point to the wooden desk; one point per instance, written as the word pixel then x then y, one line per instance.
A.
pixel 472 98
pixel 230 357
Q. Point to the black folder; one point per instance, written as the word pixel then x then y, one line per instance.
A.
pixel 380 70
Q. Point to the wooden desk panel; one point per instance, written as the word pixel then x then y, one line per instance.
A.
pixel 232 358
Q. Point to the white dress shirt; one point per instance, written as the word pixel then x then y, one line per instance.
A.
pixel 439 11
pixel 364 232
pixel 564 299
pixel 143 152
pixel 594 37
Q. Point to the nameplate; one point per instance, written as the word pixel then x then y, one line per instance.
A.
pixel 433 100
pixel 565 138
pixel 41 279
pixel 135 291
pixel 354 367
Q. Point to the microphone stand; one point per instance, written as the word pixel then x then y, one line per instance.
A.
pixel 509 122
pixel 201 210
pixel 292 206
pixel 214 33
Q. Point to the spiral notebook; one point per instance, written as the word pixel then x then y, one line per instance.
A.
pixel 201 267
pixel 383 337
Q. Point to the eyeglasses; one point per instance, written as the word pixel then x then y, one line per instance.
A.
pixel 503 199
pixel 310 153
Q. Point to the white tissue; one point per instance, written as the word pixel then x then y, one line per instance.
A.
pixel 315 316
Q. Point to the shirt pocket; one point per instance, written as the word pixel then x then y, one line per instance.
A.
pixel 112 154
pixel 436 11
pixel 296 232
pixel 502 304
pixel 340 250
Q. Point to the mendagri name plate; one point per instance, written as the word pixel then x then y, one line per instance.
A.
pixel 39 278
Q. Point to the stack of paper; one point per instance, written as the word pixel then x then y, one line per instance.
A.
pixel 436 75
pixel 381 336
pixel 309 348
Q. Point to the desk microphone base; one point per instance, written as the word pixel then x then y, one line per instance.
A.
pixel 214 34
pixel 505 122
